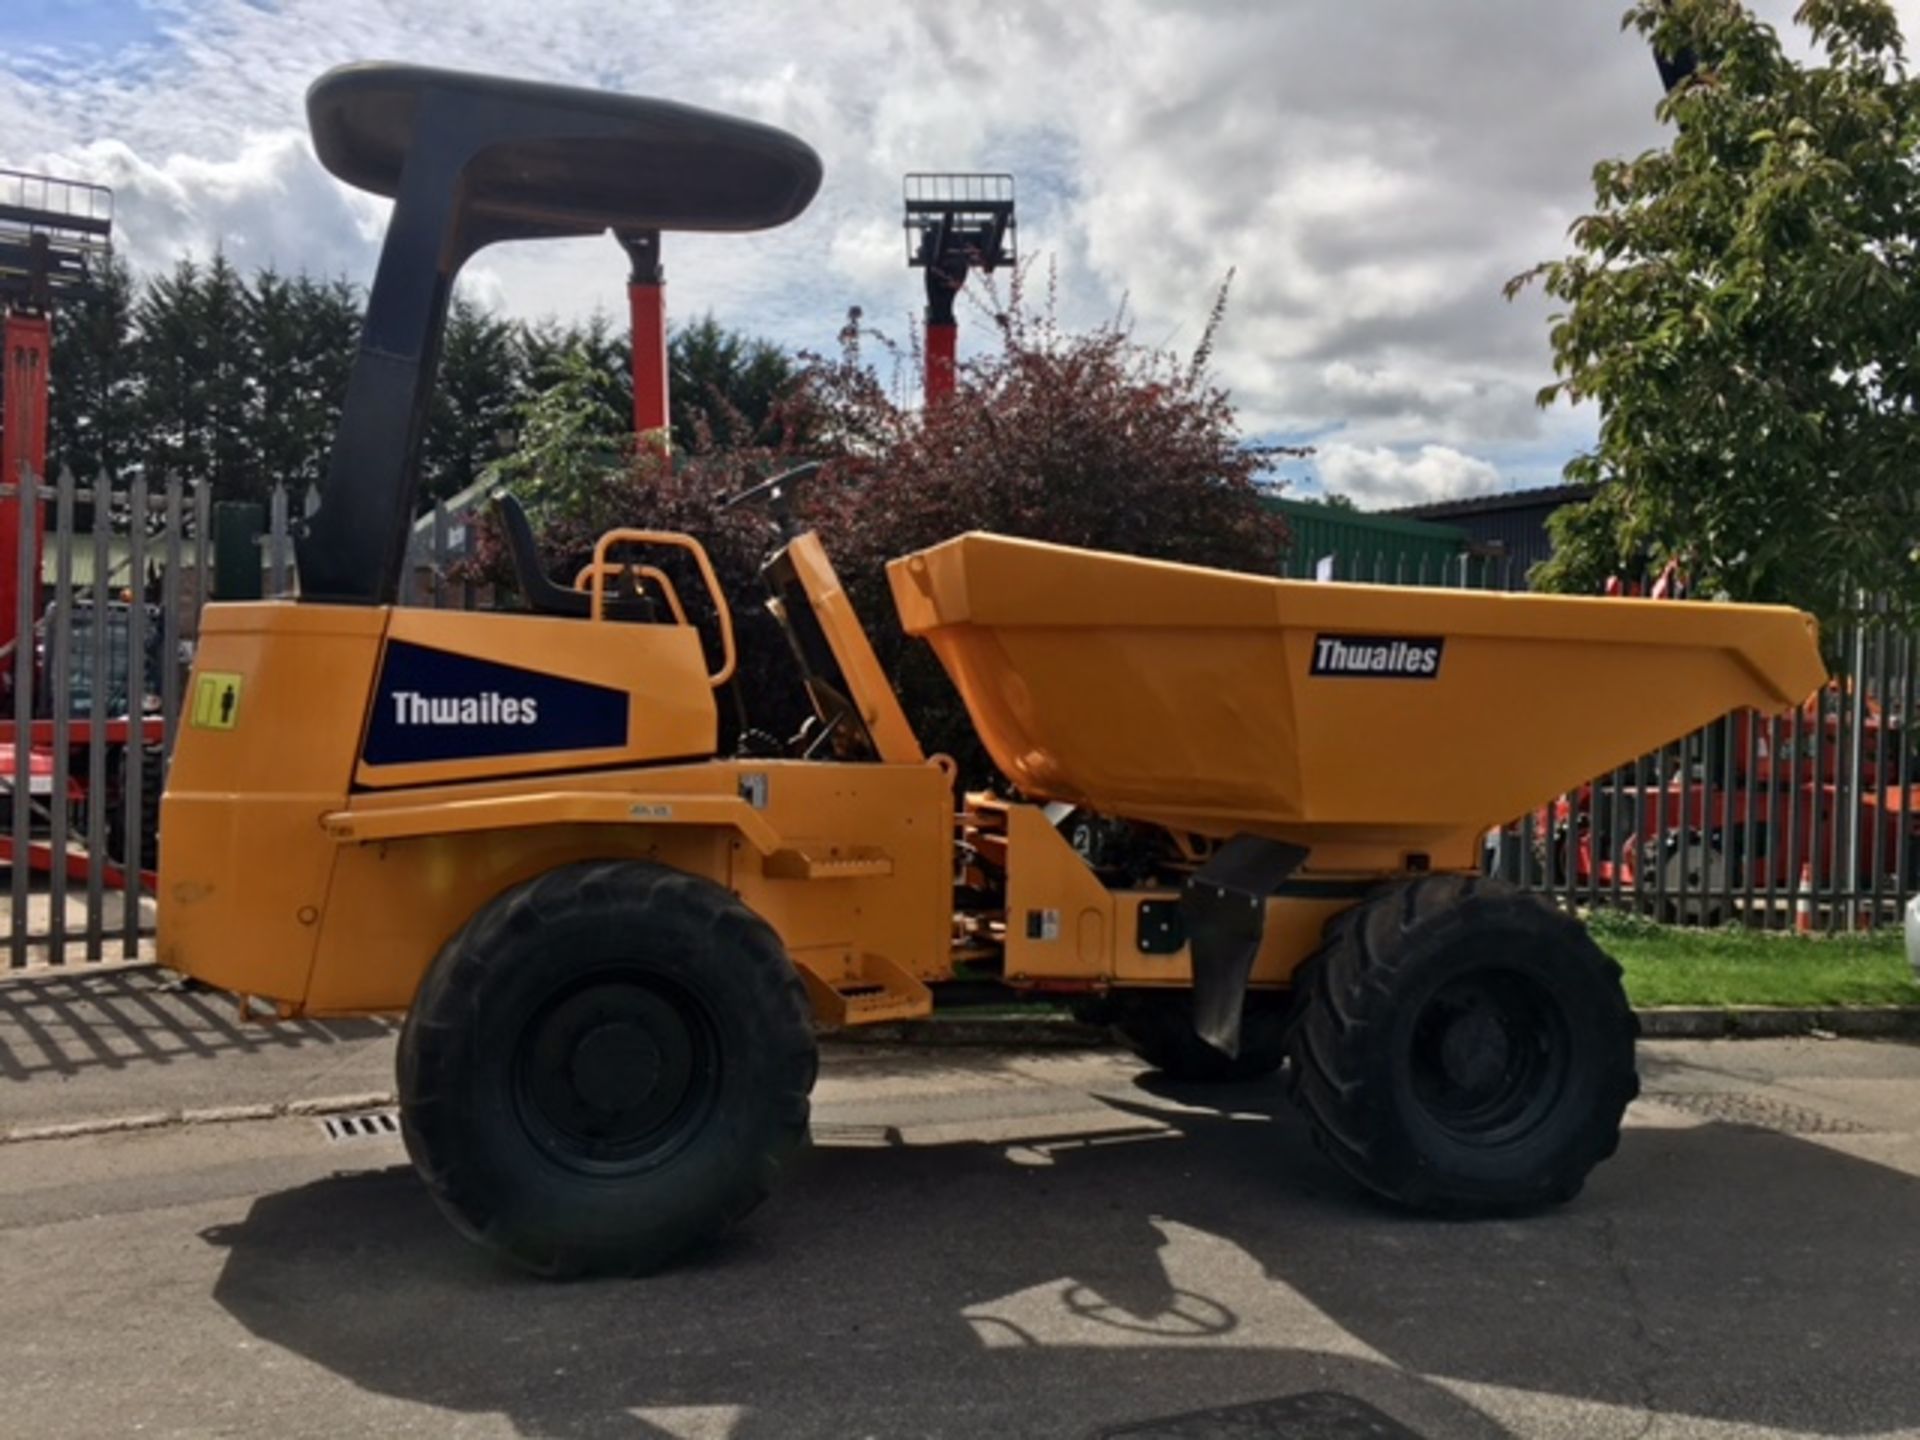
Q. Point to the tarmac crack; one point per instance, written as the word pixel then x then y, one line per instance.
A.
pixel 1642 1372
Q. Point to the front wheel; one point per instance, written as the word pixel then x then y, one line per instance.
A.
pixel 1462 1048
pixel 607 1066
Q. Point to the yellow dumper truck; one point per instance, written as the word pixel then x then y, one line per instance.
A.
pixel 614 944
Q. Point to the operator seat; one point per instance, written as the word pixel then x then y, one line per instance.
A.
pixel 544 596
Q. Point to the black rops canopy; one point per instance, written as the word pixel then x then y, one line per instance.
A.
pixel 471 160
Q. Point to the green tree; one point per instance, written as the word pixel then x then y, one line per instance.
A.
pixel 300 340
pixel 569 442
pixel 91 390
pixel 197 375
pixel 724 386
pixel 481 384
pixel 165 360
pixel 1743 305
pixel 229 377
pixel 591 357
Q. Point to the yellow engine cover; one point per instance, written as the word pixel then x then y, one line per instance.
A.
pixel 294 707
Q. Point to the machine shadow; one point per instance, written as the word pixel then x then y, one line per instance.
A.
pixel 966 1289
pixel 125 1019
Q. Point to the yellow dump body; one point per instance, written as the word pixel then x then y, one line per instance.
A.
pixel 1215 703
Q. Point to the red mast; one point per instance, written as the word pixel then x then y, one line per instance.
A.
pixel 647 301
pixel 955 223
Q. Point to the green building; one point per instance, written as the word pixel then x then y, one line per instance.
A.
pixel 1390 549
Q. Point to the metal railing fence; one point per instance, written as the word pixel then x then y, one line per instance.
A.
pixel 91 692
pixel 88 707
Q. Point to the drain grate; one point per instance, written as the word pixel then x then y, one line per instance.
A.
pixel 1321 1415
pixel 362 1125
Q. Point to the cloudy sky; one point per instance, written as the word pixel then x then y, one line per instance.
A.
pixel 1372 171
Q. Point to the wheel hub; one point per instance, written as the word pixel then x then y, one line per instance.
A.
pixel 613 1071
pixel 1475 1051
pixel 1489 1056
pixel 615 1066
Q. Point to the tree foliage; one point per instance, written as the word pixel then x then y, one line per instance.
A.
pixel 1080 437
pixel 482 382
pixel 207 375
pixel 202 374
pixel 1743 305
pixel 570 443
pixel 724 388
pixel 91 390
pixel 299 341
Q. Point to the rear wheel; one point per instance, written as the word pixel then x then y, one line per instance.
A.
pixel 607 1066
pixel 1159 1029
pixel 1462 1048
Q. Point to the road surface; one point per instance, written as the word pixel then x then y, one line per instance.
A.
pixel 986 1244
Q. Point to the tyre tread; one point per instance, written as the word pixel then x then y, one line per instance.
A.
pixel 439 1034
pixel 1346 998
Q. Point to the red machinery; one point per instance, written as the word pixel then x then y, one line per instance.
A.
pixel 55 240
pixel 1752 807
pixel 955 223
pixel 28 341
pixel 55 236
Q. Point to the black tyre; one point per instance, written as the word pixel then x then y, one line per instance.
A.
pixel 607 1066
pixel 1462 1048
pixel 1159 1029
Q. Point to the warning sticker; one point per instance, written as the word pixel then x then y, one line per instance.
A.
pixel 1043 924
pixel 216 700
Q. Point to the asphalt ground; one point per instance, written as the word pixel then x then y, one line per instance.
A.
pixel 982 1243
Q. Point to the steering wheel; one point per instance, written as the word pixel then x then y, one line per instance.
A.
pixel 777 492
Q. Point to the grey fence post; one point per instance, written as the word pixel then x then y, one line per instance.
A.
pixel 21 795
pixel 1903 856
pixel 96 722
pixel 170 620
pixel 1855 720
pixel 277 542
pixel 60 683
pixel 132 771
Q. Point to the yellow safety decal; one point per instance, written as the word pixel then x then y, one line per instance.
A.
pixel 216 701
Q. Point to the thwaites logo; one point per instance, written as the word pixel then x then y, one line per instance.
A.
pixel 435 705
pixel 489 707
pixel 1377 657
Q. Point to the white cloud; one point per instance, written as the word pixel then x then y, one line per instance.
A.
pixel 1378 478
pixel 1373 173
pixel 267 204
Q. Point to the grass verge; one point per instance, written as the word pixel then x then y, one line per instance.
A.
pixel 1666 965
